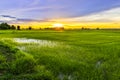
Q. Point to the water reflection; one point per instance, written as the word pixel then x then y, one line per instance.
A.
pixel 36 41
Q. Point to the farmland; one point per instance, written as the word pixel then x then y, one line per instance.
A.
pixel 60 55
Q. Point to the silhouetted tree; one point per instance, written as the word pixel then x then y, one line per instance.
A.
pixel 82 28
pixel 4 26
pixel 30 28
pixel 18 27
pixel 97 28
pixel 13 27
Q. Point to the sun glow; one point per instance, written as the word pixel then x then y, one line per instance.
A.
pixel 58 25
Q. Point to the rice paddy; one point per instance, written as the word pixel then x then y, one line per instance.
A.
pixel 66 55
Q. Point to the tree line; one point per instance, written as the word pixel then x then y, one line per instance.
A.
pixel 5 26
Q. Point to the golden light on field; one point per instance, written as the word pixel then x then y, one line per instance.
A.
pixel 58 25
pixel 69 25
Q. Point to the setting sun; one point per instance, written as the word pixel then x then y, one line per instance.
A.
pixel 58 25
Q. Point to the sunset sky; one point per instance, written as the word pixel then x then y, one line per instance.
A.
pixel 71 13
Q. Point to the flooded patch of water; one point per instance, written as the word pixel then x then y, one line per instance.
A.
pixel 21 48
pixel 26 44
pixel 98 64
pixel 36 41
pixel 63 77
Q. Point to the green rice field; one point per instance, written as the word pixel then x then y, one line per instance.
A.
pixel 60 55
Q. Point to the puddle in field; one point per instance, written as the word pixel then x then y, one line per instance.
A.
pixel 63 76
pixel 25 43
pixel 36 41
pixel 98 64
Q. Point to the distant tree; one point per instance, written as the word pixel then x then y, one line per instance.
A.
pixel 30 28
pixel 82 28
pixel 4 26
pixel 97 28
pixel 13 27
pixel 47 28
pixel 18 27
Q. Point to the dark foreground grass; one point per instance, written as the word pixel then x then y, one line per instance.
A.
pixel 17 65
pixel 85 55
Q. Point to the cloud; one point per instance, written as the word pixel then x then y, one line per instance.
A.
pixel 35 2
pixel 34 9
pixel 111 15
pixel 37 11
pixel 14 20
pixel 7 18
pixel 20 10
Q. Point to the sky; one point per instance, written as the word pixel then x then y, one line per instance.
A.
pixel 76 12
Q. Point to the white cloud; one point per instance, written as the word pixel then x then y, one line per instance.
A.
pixel 7 19
pixel 111 15
pixel 23 12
